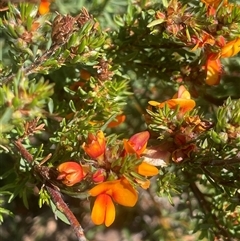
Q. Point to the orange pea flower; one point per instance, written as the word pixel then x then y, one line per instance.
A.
pixel 44 7
pixel 214 70
pixel 147 170
pixel 119 120
pixel 182 99
pixel 95 146
pixel 137 143
pixel 214 3
pixel 231 48
pixel 106 193
pixel 70 173
pixel 213 65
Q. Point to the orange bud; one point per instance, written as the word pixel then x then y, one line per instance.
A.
pixel 137 143
pixel 44 7
pixel 99 176
pixel 95 146
pixel 70 173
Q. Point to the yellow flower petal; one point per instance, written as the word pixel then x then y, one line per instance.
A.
pixel 103 210
pixel 153 103
pixel 110 212
pixel 124 194
pixel 120 190
pixel 147 169
pixel 185 104
pixel 214 70
pixel 181 98
pixel 231 48
pixel 102 188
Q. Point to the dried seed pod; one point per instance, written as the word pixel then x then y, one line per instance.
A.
pixel 62 28
pixel 83 17
pixel 103 72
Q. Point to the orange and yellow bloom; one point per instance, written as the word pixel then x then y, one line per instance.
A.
pixel 112 185
pixel 214 3
pixel 182 99
pixel 214 70
pixel 231 48
pixel 95 146
pixel 213 65
pixel 70 173
pixel 106 193
pixel 137 143
pixel 44 7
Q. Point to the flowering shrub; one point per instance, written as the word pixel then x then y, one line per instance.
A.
pixel 110 102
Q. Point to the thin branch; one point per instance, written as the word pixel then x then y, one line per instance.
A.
pixel 222 162
pixel 62 207
pixel 33 67
pixel 207 209
pixel 53 191
pixel 23 151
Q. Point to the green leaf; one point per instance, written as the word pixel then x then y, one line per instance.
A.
pixel 58 214
pixel 50 105
pixel 155 22
pixel 72 106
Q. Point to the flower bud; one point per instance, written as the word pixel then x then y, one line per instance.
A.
pixel 95 146
pixel 99 176
pixel 70 173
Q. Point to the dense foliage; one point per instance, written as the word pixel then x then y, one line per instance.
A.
pixel 120 106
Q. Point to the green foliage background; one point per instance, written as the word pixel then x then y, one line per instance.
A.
pixel 145 64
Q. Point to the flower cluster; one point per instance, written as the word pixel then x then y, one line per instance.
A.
pixel 213 65
pixel 181 99
pixel 115 173
pixel 214 41
pixel 181 131
pixel 226 49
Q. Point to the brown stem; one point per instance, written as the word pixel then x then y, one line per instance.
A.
pixel 62 207
pixel 32 68
pixel 53 191
pixel 206 207
pixel 23 151
pixel 232 161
